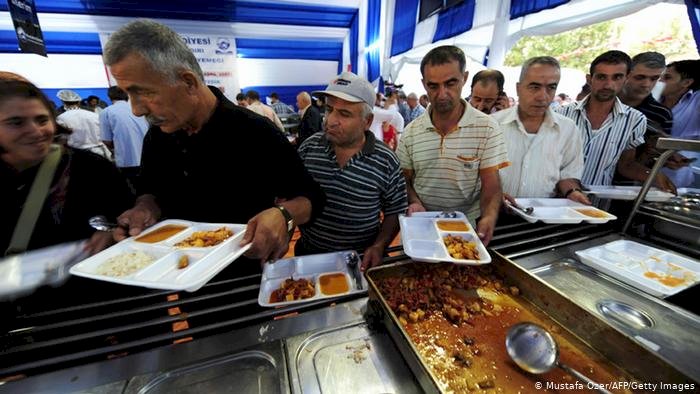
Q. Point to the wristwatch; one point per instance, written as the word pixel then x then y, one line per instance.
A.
pixel 288 218
pixel 572 190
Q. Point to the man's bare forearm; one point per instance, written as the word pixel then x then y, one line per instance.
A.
pixel 490 202
pixel 387 231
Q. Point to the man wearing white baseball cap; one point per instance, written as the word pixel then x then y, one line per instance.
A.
pixel 360 175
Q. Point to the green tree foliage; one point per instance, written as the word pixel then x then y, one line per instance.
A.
pixel 673 44
pixel 575 48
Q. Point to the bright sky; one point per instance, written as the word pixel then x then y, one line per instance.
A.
pixel 653 22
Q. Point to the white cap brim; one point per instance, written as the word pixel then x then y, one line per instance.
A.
pixel 340 95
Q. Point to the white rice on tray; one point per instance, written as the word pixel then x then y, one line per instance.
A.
pixel 125 264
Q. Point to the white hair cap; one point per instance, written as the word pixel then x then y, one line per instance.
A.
pixel 68 96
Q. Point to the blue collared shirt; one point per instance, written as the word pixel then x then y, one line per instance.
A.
pixel 119 125
pixel 415 112
pixel 686 125
pixel 686 116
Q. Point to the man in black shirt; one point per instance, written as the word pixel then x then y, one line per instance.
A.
pixel 311 120
pixel 645 71
pixel 204 158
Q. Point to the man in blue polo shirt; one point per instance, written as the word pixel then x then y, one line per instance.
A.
pixel 360 175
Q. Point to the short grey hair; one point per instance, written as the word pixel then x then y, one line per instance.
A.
pixel 546 60
pixel 413 96
pixel 653 60
pixel 162 48
pixel 304 96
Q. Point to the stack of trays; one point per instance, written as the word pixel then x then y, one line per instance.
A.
pixel 626 193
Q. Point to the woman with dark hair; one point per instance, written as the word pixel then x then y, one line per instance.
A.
pixel 49 191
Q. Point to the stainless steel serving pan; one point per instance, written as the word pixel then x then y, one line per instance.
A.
pixel 594 332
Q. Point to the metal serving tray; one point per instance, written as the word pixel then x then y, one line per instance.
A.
pixel 311 267
pixel 260 369
pixel 594 335
pixel 351 358
pixel 668 331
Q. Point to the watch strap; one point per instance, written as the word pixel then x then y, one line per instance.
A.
pixel 288 218
pixel 572 190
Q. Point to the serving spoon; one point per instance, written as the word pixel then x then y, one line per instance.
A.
pixel 535 351
pixel 527 211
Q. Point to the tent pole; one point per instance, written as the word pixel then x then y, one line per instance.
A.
pixel 499 39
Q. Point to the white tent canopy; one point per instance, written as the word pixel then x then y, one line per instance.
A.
pixel 344 26
pixel 493 31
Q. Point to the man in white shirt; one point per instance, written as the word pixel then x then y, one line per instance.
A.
pixel 259 108
pixel 544 148
pixel 83 124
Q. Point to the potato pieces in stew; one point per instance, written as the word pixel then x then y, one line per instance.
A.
pixel 459 248
pixel 293 290
pixel 201 239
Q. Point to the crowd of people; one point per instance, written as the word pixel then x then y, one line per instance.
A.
pixel 183 150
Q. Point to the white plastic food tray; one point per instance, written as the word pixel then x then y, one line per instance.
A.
pixel 627 193
pixel 308 267
pixel 558 210
pixel 642 266
pixel 25 272
pixel 163 273
pixel 685 190
pixel 423 241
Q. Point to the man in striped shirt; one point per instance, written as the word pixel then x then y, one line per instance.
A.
pixel 360 175
pixel 280 108
pixel 451 154
pixel 610 130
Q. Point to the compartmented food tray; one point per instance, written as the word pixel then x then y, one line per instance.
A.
pixel 688 191
pixel 425 236
pixel 312 277
pixel 627 193
pixel 172 255
pixel 655 271
pixel 560 210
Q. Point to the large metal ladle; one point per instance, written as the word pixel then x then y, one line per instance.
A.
pixel 534 350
